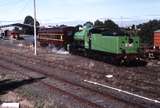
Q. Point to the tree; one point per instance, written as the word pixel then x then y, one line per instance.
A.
pixel 111 25
pixel 98 23
pixel 146 30
pixel 88 24
pixel 29 21
pixel 63 25
pixel 107 24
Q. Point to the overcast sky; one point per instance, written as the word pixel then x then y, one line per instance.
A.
pixel 54 11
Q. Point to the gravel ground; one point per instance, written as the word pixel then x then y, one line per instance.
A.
pixel 8 95
pixel 75 69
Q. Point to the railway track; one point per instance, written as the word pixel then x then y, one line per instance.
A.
pixel 102 72
pixel 71 68
pixel 52 87
pixel 82 99
pixel 19 56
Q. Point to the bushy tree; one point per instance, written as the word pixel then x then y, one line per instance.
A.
pixel 98 23
pixel 108 24
pixel 29 21
pixel 111 24
pixel 147 29
pixel 88 24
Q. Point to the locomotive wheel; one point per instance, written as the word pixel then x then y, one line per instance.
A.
pixel 71 49
pixel 118 61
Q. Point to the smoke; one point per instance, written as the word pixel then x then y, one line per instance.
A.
pixel 58 50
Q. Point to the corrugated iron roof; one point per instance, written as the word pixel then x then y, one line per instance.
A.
pixel 17 24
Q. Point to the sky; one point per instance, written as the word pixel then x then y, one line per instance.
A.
pixel 76 11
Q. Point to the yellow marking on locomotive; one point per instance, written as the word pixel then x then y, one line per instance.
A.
pixel 51 39
pixel 50 34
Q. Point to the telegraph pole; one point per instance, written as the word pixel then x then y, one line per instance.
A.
pixel 35 37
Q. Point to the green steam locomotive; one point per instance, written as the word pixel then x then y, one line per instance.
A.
pixel 115 47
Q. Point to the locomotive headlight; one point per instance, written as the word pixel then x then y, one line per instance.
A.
pixel 129 45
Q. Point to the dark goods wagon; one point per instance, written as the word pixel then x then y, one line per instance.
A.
pixel 57 36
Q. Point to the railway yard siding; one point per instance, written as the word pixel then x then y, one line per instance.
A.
pixel 68 81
